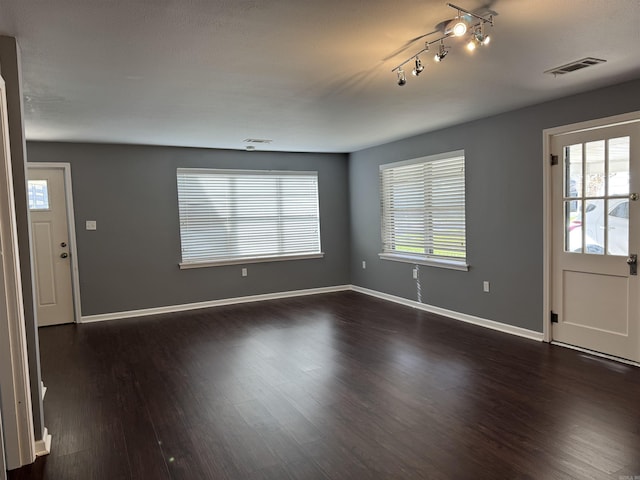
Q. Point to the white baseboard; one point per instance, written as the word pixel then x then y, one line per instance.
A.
pixel 463 317
pixel 213 303
pixel 43 447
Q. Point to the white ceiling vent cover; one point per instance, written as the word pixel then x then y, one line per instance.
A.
pixel 577 65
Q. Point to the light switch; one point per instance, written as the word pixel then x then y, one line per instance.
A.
pixel 91 225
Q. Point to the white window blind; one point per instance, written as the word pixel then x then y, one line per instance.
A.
pixel 423 208
pixel 238 216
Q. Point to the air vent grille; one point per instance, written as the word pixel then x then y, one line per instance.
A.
pixel 257 140
pixel 577 65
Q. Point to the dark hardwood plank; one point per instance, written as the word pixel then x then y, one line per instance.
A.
pixel 336 386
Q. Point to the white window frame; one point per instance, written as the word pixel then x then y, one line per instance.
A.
pixel 387 218
pixel 236 259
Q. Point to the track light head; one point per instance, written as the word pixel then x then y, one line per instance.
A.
pixel 442 52
pixel 402 78
pixel 419 68
pixel 458 26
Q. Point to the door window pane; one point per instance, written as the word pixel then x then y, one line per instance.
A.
pixel 573 166
pixel 619 166
pixel 38 191
pixel 593 224
pixel 594 169
pixel 573 226
pixel 618 228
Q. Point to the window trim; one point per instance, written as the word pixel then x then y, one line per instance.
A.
pixel 250 259
pixel 425 259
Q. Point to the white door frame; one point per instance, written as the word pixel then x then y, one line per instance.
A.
pixel 547 230
pixel 68 193
pixel 3 463
pixel 17 414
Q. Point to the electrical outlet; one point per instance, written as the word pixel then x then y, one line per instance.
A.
pixel 485 286
pixel 91 225
pixel 415 273
pixel 364 264
pixel 244 272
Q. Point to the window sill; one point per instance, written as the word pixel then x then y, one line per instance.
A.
pixel 420 260
pixel 247 260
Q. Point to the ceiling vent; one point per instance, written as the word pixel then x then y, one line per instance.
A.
pixel 577 65
pixel 257 140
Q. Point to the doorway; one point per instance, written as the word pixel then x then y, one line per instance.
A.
pixel 594 220
pixel 53 240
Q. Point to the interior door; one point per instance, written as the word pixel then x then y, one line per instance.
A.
pixel 596 235
pixel 50 239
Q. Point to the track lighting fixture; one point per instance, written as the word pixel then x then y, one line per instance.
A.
pixel 402 78
pixel 460 26
pixel 442 52
pixel 417 70
pixel 478 38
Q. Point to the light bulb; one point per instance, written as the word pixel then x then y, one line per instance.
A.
pixel 459 29
pixel 471 46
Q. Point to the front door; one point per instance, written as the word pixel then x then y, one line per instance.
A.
pixel 596 235
pixel 50 239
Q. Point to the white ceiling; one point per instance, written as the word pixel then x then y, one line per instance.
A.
pixel 311 76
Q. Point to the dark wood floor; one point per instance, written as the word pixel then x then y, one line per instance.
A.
pixel 338 386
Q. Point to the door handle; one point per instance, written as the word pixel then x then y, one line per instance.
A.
pixel 632 261
pixel 64 255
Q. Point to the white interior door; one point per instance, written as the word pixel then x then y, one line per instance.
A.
pixel 596 232
pixel 50 239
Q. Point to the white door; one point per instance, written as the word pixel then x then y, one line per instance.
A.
pixel 50 239
pixel 596 233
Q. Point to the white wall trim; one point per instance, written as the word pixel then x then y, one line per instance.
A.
pixel 213 303
pixel 43 447
pixel 547 231
pixel 17 415
pixel 73 250
pixel 463 317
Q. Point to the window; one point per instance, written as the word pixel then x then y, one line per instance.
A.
pixel 244 216
pixel 38 192
pixel 423 211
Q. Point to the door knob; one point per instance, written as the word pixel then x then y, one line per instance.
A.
pixel 64 255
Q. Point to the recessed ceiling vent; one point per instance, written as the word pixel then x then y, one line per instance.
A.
pixel 257 140
pixel 577 65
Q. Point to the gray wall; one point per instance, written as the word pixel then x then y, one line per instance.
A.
pixel 131 261
pixel 504 208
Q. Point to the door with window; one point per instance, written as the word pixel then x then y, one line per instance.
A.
pixel 596 239
pixel 50 240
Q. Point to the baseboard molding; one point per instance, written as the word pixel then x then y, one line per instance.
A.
pixel 213 303
pixel 43 447
pixel 463 317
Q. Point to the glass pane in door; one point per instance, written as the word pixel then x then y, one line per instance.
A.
pixel 594 169
pixel 618 166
